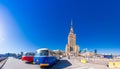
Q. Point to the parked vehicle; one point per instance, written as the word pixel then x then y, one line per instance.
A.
pixel 108 56
pixel 28 57
pixel 44 57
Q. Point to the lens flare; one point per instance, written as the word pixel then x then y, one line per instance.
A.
pixel 2 21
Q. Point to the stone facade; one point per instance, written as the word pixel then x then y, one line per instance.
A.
pixel 71 47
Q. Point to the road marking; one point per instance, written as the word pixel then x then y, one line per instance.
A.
pixel 91 68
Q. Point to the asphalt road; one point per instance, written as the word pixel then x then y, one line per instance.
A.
pixel 65 63
pixel 2 62
pixel 13 63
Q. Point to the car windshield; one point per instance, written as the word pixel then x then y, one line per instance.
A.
pixel 28 54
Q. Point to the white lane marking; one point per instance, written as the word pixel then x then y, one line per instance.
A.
pixel 91 68
pixel 82 67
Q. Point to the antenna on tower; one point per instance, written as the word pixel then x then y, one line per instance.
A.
pixel 71 23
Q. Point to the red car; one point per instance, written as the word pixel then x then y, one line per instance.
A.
pixel 28 57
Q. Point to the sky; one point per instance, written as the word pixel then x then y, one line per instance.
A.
pixel 27 25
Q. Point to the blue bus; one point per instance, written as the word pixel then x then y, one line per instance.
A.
pixel 44 57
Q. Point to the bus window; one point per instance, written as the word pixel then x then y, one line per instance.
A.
pixel 44 53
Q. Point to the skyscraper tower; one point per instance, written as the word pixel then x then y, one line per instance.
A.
pixel 71 47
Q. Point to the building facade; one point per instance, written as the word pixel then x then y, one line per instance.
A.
pixel 71 47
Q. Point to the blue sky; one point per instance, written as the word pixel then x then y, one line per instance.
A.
pixel 26 25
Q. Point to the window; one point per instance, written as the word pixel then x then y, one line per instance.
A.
pixel 71 48
pixel 43 53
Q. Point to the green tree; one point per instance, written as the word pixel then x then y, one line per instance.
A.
pixel 95 51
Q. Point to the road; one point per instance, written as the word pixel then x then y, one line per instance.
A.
pixel 76 64
pixel 2 62
pixel 13 63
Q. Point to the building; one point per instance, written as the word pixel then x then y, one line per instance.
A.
pixel 71 47
pixel 88 54
pixel 58 52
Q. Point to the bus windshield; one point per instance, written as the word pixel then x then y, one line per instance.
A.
pixel 43 53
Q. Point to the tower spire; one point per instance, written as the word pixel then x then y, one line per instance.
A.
pixel 71 27
pixel 71 22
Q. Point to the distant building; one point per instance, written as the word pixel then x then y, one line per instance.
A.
pixel 88 54
pixel 71 47
pixel 58 52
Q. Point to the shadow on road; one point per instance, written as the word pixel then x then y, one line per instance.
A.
pixel 61 64
pixel 29 63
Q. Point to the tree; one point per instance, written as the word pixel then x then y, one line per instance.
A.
pixel 80 51
pixel 95 51
pixel 85 50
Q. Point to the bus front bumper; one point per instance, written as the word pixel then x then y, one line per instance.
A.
pixel 44 65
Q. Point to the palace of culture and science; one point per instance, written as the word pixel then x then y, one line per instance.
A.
pixel 71 47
